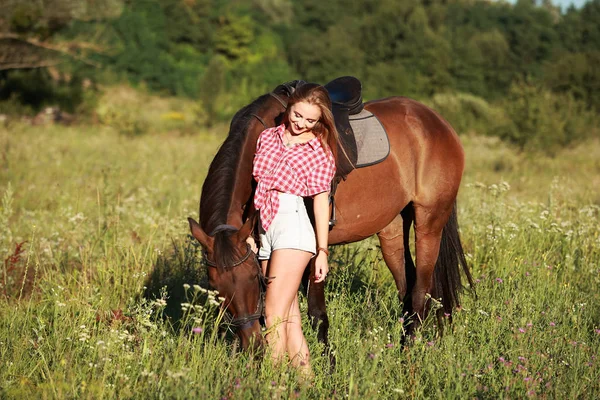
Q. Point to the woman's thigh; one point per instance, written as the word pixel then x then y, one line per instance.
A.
pixel 285 268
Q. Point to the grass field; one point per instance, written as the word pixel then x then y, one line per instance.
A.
pixel 90 218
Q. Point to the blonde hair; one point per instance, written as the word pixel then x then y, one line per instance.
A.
pixel 324 129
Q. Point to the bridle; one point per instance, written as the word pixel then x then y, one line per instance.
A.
pixel 247 320
pixel 283 103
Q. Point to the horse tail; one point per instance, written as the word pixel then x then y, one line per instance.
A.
pixel 447 272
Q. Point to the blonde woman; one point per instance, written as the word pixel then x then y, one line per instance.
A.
pixel 294 160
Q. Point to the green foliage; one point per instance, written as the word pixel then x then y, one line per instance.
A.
pixel 417 49
pixel 470 114
pixel 546 121
pixel 234 36
pixel 211 87
pixel 576 74
pixel 36 89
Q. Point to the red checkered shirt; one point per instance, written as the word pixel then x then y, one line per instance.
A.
pixel 303 170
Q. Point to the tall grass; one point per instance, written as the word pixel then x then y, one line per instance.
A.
pixel 106 296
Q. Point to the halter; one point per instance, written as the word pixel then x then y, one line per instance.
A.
pixel 246 321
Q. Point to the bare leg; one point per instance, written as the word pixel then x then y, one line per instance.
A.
pixel 285 267
pixel 297 346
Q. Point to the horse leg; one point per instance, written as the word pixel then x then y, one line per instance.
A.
pixel 394 240
pixel 317 310
pixel 429 225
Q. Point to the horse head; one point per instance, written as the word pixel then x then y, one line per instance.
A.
pixel 234 271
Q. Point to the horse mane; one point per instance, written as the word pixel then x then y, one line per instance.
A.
pixel 218 187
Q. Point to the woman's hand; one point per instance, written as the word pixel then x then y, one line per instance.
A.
pixel 250 240
pixel 321 266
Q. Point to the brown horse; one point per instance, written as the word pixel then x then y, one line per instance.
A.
pixel 417 184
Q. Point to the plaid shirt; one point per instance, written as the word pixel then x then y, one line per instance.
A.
pixel 304 170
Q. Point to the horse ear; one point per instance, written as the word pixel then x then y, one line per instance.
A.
pixel 200 235
pixel 248 227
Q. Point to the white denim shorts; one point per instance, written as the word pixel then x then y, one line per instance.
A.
pixel 290 229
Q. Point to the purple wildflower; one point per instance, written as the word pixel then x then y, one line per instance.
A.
pixel 389 345
pixel 371 356
pixel 499 280
pixel 521 330
pixel 430 344
pixel 552 324
pixel 197 330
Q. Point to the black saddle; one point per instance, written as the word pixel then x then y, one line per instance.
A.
pixel 346 99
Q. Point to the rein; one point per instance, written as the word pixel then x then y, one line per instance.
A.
pixel 280 100
pixel 245 321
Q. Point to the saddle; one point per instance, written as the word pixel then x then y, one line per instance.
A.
pixel 346 100
pixel 363 140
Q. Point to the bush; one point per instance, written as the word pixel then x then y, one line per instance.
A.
pixel 468 113
pixel 542 120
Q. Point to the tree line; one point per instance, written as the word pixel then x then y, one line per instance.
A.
pixel 526 72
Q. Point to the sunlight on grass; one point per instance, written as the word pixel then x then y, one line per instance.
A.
pixel 103 293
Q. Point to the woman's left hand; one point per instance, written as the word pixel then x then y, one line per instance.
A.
pixel 321 267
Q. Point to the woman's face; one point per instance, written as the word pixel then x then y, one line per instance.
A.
pixel 303 117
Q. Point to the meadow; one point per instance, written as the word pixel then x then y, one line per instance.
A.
pixel 95 249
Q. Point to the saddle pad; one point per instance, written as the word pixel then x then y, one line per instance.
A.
pixel 372 142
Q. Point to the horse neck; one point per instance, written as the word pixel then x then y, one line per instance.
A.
pixel 228 186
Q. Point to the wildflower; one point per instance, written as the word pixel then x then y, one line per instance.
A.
pixel 198 288
pixel 499 280
pixel 371 356
pixel 521 330
pixel 389 345
pixel 552 324
pixel 430 344
pixel 522 359
pixel 197 330
pixel 529 324
pixel 186 286
pixel 597 331
pixel 527 273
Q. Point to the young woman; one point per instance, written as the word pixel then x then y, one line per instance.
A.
pixel 293 161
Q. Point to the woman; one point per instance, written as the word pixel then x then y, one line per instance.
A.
pixel 294 160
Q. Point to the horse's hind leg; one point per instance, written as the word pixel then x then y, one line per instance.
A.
pixel 429 225
pixel 396 254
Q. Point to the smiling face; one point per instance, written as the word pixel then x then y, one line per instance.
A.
pixel 303 117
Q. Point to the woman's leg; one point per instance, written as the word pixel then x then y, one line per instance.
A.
pixel 285 269
pixel 297 347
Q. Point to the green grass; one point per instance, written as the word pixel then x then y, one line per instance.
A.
pixel 103 215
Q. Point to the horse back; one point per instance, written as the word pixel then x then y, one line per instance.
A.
pixel 425 166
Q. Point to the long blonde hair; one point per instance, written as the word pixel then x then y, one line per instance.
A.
pixel 324 129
